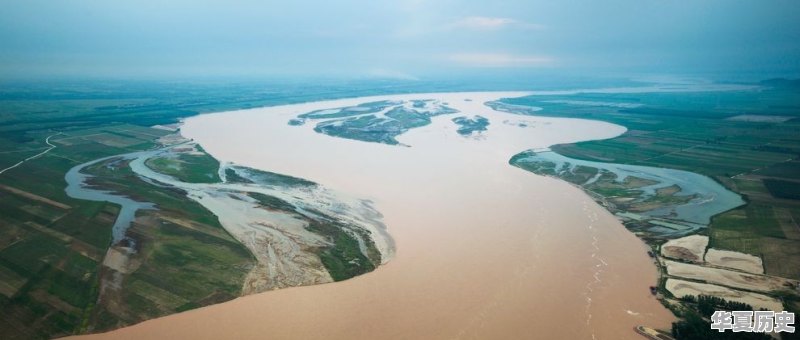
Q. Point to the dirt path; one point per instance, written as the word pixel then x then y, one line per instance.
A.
pixel 47 140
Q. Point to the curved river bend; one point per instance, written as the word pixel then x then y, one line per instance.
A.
pixel 78 187
pixel 484 249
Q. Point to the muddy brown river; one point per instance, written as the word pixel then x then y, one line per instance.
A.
pixel 483 249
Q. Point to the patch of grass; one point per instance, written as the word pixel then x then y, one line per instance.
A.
pixel 79 266
pixel 72 290
pixel 272 202
pixel 180 268
pixel 188 168
pixel 90 222
pixel 205 262
pixel 752 219
pixel 275 179
pixel 34 253
pixel 360 109
pixel 344 259
pixel 783 189
pixel 233 177
pixel 789 170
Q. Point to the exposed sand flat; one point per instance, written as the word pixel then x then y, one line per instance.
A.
pixel 484 249
pixel 279 241
pixel 735 260
pixel 117 260
pixel 682 288
pixel 689 248
pixel 728 278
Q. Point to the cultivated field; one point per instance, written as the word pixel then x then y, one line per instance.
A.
pixel 53 248
pixel 757 158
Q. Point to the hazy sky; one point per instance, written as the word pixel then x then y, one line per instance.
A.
pixel 405 38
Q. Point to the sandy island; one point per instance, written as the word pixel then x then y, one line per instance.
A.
pixel 484 249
